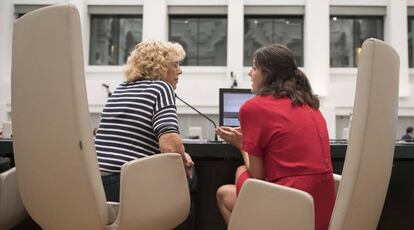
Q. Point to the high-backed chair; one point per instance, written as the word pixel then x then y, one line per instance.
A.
pixel 370 152
pixel 368 161
pixel 12 211
pixel 57 168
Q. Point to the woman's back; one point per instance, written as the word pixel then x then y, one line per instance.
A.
pixel 292 139
pixel 294 145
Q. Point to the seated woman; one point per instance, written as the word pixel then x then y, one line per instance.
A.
pixel 140 117
pixel 283 136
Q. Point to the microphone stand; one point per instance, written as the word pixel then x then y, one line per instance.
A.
pixel 209 119
pixel 109 93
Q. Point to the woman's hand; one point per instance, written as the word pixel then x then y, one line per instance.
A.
pixel 188 165
pixel 231 135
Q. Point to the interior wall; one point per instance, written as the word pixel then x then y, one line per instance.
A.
pixel 199 84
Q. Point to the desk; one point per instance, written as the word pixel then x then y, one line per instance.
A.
pixel 6 154
pixel 216 164
pixel 6 146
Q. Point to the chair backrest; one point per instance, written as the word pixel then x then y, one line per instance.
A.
pixel 161 198
pixel 12 211
pixel 370 152
pixel 264 205
pixel 57 169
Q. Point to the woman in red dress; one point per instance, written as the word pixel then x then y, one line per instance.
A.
pixel 283 136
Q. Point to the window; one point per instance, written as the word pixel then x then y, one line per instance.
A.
pixel 410 41
pixel 265 30
pixel 347 33
pixel 204 38
pixel 20 10
pixel 113 37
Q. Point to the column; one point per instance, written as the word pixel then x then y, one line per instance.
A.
pixel 235 33
pixel 84 19
pixel 155 25
pixel 316 45
pixel 396 35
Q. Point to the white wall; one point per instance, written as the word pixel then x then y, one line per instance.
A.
pixel 199 85
pixel 6 28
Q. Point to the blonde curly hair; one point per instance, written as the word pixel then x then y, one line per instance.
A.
pixel 149 60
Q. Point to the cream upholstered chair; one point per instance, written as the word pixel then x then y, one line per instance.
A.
pixel 370 153
pixel 368 162
pixel 12 211
pixel 337 179
pixel 267 206
pixel 57 169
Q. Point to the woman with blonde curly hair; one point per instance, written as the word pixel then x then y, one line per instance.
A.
pixel 140 117
pixel 151 60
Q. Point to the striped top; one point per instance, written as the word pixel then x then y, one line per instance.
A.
pixel 133 119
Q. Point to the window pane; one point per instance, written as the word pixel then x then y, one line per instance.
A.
pixel 262 31
pixel 410 42
pixel 341 43
pixel 365 28
pixel 347 35
pixel 130 34
pixel 203 38
pixel 113 37
pixel 184 31
pixel 288 31
pixel 258 32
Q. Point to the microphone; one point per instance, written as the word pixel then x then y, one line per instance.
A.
pixel 234 84
pixel 209 119
pixel 107 89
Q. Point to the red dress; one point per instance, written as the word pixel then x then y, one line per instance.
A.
pixel 293 142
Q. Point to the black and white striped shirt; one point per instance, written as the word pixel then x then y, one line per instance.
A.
pixel 133 119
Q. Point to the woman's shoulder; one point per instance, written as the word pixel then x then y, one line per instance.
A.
pixel 163 85
pixel 263 100
pixel 147 84
pixel 266 102
pixel 253 103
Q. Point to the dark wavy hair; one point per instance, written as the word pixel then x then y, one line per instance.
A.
pixel 281 76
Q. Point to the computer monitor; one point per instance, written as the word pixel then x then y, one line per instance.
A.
pixel 230 102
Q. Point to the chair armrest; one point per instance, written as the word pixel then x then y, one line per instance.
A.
pixel 113 208
pixel 154 193
pixel 337 179
pixel 264 205
pixel 12 211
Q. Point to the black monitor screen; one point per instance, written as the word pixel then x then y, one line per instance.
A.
pixel 230 102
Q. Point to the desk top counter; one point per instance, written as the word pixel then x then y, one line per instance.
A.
pixel 6 146
pixel 338 150
pixel 403 151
